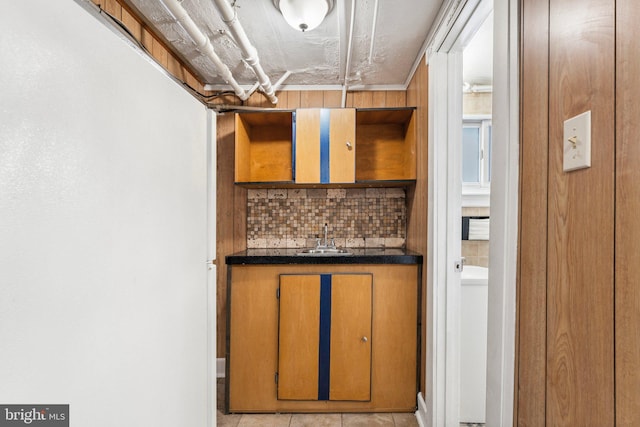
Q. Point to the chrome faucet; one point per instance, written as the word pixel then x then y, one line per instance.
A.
pixel 326 231
pixel 324 243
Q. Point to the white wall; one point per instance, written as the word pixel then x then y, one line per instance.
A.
pixel 103 294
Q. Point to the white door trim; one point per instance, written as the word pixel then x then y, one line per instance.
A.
pixel 442 392
pixel 444 226
pixel 504 217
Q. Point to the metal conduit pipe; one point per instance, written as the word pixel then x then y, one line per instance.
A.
pixel 348 65
pixel 249 52
pixel 203 44
pixel 373 30
pixel 284 77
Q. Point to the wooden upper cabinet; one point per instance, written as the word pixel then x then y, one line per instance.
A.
pixel 316 146
pixel 263 147
pixel 387 141
pixel 325 146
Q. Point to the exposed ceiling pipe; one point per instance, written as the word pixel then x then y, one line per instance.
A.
pixel 249 52
pixel 203 44
pixel 348 66
pixel 373 30
pixel 341 10
pixel 255 87
pixel 281 80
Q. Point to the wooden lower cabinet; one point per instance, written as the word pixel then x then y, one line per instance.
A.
pixel 324 337
pixel 329 338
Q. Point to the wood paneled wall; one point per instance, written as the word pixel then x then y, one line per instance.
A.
pixel 580 243
pixel 231 217
pixel 232 200
pixel 578 294
pixel 418 96
pixel 627 249
pixel 530 392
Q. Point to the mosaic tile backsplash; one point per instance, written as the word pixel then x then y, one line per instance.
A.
pixel 356 218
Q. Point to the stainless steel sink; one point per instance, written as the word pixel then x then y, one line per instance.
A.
pixel 326 247
pixel 324 252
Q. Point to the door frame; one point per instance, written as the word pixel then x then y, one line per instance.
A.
pixel 440 404
pixel 503 244
pixel 210 263
pixel 442 389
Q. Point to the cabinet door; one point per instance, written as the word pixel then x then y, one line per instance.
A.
pixel 342 145
pixel 298 337
pixel 324 349
pixel 350 377
pixel 325 150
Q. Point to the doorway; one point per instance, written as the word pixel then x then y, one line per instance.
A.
pixel 475 158
pixel 445 59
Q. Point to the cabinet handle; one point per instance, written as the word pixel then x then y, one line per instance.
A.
pixel 365 339
pixel 349 145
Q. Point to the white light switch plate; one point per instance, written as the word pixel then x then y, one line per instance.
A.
pixel 577 142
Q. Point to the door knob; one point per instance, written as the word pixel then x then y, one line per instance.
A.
pixel 348 145
pixel 364 339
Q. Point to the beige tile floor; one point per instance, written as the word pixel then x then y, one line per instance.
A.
pixel 310 420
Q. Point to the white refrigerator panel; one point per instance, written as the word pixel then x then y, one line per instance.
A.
pixel 103 225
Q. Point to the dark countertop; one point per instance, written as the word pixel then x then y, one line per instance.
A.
pixel 359 256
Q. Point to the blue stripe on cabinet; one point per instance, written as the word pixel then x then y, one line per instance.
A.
pixel 325 337
pixel 293 146
pixel 325 124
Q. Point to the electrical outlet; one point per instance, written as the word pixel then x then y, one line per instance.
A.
pixel 577 142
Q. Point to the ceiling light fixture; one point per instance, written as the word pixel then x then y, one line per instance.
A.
pixel 304 15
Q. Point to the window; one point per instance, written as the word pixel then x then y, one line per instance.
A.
pixel 476 160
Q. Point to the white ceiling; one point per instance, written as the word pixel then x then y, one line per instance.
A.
pixel 477 57
pixel 317 58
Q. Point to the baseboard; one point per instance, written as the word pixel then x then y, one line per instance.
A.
pixel 220 367
pixel 421 413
